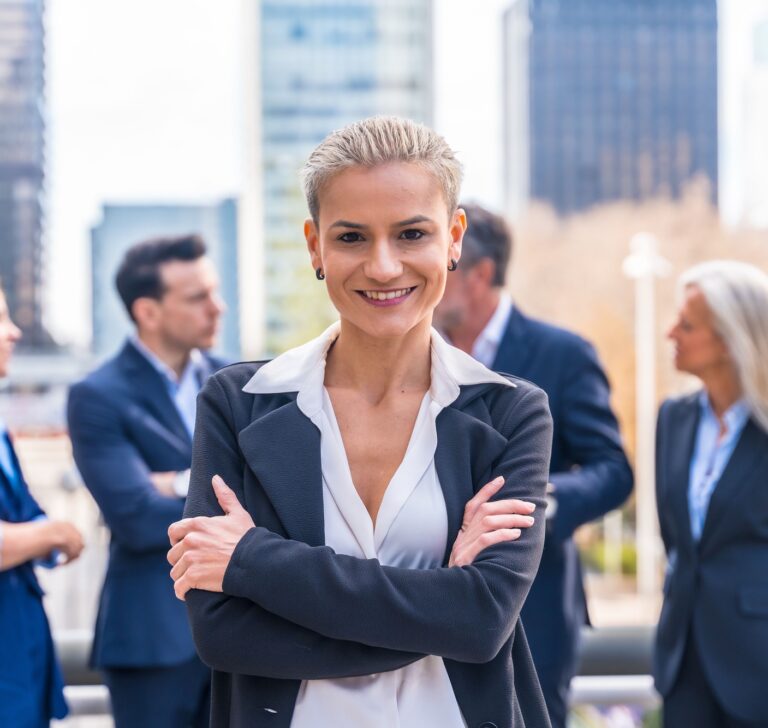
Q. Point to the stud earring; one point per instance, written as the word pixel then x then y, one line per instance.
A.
pixel 454 265
pixel 319 274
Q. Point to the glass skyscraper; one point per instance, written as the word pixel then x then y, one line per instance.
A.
pixel 621 98
pixel 22 129
pixel 324 64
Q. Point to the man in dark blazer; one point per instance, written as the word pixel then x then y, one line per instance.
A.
pixel 589 472
pixel 131 424
pixel 31 687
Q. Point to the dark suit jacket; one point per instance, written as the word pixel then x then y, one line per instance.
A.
pixel 588 469
pixel 124 426
pixel 26 648
pixel 716 591
pixel 292 609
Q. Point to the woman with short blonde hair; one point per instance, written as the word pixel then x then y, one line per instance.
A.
pixel 376 543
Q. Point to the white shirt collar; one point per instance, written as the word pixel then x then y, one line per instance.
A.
pixel 487 343
pixel 302 370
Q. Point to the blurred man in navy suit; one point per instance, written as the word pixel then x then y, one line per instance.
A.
pixel 589 473
pixel 31 688
pixel 131 423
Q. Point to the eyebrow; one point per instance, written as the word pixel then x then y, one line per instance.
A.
pixel 348 224
pixel 403 223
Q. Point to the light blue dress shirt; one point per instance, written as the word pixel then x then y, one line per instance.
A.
pixel 711 454
pixel 183 390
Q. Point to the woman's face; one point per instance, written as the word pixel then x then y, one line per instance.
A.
pixel 384 240
pixel 699 349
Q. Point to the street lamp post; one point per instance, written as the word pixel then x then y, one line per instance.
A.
pixel 644 265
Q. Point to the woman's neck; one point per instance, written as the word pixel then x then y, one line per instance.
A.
pixel 378 367
pixel 723 390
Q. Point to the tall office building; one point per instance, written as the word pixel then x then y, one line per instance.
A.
pixel 22 129
pixel 122 226
pixel 744 112
pixel 323 64
pixel 618 97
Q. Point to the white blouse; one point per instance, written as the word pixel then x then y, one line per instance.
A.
pixel 411 531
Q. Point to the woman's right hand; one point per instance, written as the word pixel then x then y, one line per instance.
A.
pixel 489 522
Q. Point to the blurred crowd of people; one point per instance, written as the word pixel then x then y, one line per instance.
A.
pixel 132 422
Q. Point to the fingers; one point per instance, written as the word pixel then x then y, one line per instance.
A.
pixel 482 496
pixel 510 505
pixel 466 555
pixel 177 531
pixel 506 520
pixel 225 495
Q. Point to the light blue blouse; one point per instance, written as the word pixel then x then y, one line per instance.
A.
pixel 711 454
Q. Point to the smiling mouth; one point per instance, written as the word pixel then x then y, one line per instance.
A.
pixel 393 295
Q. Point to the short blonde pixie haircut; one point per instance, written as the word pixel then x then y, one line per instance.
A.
pixel 379 140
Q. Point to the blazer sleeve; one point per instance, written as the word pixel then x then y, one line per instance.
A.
pixel 661 500
pixel 601 479
pixel 465 614
pixel 236 635
pixel 116 475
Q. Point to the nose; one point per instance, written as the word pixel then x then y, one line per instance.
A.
pixel 15 332
pixel 672 332
pixel 218 305
pixel 383 262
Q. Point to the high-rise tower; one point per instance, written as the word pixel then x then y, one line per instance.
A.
pixel 618 97
pixel 22 127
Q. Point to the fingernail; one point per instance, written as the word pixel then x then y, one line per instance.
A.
pixel 217 480
pixel 516 532
pixel 531 506
pixel 529 520
pixel 498 480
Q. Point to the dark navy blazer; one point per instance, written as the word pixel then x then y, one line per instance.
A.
pixel 124 426
pixel 27 662
pixel 588 469
pixel 716 590
pixel 292 609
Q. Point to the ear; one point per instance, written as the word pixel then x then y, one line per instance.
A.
pixel 313 242
pixel 146 312
pixel 483 271
pixel 457 229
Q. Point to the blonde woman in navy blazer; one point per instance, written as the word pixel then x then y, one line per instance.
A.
pixel 367 559
pixel 711 658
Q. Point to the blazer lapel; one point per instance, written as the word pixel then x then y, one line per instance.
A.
pixel 466 451
pixel 684 426
pixel 739 473
pixel 514 352
pixel 282 448
pixel 151 391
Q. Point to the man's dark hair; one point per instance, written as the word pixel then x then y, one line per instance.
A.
pixel 139 273
pixel 487 236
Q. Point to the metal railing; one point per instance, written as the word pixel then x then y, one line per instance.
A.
pixel 614 670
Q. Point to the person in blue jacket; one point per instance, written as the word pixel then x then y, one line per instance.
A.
pixel 362 559
pixel 131 424
pixel 31 686
pixel 711 654
pixel 589 472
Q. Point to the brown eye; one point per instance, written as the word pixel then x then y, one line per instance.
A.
pixel 350 237
pixel 412 234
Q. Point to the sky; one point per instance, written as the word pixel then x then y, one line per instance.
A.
pixel 144 104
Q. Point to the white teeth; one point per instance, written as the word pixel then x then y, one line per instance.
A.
pixel 386 296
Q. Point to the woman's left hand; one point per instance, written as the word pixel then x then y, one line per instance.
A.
pixel 202 547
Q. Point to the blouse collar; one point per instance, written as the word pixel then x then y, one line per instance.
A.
pixel 302 370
